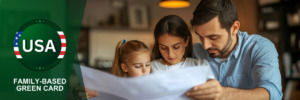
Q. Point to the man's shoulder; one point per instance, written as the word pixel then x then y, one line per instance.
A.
pixel 198 51
pixel 196 62
pixel 255 44
pixel 198 47
pixel 254 39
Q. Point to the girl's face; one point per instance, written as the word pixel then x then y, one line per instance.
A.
pixel 137 64
pixel 172 48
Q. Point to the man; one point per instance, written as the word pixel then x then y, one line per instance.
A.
pixel 246 66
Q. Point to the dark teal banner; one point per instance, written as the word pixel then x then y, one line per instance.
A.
pixel 38 56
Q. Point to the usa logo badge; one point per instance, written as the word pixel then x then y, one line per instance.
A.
pixel 40 45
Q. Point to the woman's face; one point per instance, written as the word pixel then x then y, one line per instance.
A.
pixel 172 48
pixel 137 64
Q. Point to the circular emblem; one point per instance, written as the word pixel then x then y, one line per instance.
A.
pixel 39 45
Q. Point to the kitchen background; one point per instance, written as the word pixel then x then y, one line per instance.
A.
pixel 106 22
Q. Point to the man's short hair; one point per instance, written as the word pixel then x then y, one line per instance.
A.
pixel 208 9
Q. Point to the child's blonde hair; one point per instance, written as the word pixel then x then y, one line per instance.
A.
pixel 123 49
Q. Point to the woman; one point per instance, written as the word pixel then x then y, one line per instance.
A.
pixel 173 46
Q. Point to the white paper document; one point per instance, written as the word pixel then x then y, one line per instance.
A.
pixel 164 85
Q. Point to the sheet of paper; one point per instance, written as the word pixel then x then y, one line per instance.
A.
pixel 164 85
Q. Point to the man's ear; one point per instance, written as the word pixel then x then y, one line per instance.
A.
pixel 235 28
pixel 124 68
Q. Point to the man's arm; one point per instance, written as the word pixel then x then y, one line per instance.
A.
pixel 243 94
pixel 264 74
pixel 213 90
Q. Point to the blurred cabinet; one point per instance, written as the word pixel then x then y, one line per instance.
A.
pixel 290 36
pixel 269 17
pixel 282 18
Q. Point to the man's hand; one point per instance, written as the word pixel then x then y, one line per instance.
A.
pixel 90 93
pixel 211 90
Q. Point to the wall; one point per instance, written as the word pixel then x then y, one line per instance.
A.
pixel 247 15
pixel 103 42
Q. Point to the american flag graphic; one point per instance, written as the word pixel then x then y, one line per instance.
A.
pixel 63 44
pixel 62 40
pixel 16 45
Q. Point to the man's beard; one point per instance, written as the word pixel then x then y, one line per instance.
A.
pixel 223 51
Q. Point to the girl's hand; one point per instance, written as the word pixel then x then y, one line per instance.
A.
pixel 90 93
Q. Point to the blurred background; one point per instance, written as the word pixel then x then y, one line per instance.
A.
pixel 106 22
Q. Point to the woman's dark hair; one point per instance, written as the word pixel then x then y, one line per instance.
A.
pixel 175 26
pixel 208 9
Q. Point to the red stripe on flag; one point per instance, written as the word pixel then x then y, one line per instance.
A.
pixel 62 36
pixel 62 53
pixel 17 52
pixel 63 44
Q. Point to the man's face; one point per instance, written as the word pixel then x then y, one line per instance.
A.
pixel 214 38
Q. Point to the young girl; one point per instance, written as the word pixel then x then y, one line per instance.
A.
pixel 132 59
pixel 173 46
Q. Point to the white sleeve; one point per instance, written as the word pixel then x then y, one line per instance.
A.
pixel 204 63
pixel 153 69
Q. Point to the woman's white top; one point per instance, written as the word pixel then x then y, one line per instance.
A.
pixel 157 65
